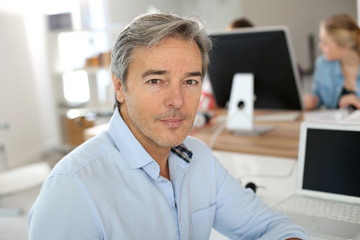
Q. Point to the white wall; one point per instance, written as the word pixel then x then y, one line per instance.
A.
pixel 217 13
pixel 123 11
pixel 358 11
pixel 26 101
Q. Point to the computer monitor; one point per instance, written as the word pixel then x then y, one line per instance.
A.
pixel 264 52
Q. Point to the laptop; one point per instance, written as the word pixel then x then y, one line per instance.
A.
pixel 327 198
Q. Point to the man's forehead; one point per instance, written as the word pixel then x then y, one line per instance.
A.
pixel 167 52
pixel 175 44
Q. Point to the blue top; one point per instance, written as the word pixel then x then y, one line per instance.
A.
pixel 110 188
pixel 329 81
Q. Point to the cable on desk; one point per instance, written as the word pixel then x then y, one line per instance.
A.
pixel 216 134
pixel 221 128
pixel 273 175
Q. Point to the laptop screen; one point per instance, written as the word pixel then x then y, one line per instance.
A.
pixel 332 161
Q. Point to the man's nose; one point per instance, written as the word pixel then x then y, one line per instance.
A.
pixel 174 96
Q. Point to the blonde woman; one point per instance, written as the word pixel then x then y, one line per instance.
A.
pixel 336 81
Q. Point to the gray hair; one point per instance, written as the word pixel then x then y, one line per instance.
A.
pixel 149 30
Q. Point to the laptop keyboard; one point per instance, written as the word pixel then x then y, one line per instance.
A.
pixel 321 208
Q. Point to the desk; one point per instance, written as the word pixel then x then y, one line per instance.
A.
pixel 282 141
pixel 274 176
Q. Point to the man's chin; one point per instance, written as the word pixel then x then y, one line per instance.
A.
pixel 170 144
pixel 173 138
pixel 171 141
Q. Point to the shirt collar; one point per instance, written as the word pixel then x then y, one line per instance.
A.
pixel 183 152
pixel 133 153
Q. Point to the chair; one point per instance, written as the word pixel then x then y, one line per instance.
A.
pixel 19 179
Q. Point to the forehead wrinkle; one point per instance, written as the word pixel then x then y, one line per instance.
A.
pixel 154 72
pixel 165 67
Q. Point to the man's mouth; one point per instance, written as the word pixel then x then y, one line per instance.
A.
pixel 173 122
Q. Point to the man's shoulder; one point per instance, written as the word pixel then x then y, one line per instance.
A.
pixel 83 155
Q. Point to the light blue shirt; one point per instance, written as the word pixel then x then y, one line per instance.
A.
pixel 110 188
pixel 328 82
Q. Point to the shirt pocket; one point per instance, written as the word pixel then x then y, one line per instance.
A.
pixel 202 221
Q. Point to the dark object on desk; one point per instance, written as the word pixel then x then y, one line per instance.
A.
pixel 252 186
pixel 352 108
pixel 264 52
pixel 344 92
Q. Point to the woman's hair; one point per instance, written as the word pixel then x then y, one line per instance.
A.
pixel 344 30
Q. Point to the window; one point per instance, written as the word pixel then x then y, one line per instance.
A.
pixel 76 87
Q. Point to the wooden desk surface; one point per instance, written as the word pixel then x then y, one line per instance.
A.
pixel 282 141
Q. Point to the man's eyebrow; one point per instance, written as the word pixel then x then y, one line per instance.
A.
pixel 154 72
pixel 194 74
pixel 163 72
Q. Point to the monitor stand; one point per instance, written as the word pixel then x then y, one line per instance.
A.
pixel 240 118
pixel 255 131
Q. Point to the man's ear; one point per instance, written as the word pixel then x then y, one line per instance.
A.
pixel 119 90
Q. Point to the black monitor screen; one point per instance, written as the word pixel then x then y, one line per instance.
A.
pixel 332 161
pixel 264 53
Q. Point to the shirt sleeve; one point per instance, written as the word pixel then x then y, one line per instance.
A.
pixel 62 211
pixel 240 214
pixel 315 88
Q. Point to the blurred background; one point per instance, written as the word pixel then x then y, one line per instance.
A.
pixel 54 59
pixel 54 69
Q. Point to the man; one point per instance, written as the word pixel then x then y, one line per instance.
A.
pixel 144 178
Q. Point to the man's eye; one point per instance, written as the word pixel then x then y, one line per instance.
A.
pixel 154 81
pixel 191 82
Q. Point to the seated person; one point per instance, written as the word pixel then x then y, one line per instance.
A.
pixel 336 82
pixel 144 178
pixel 240 23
